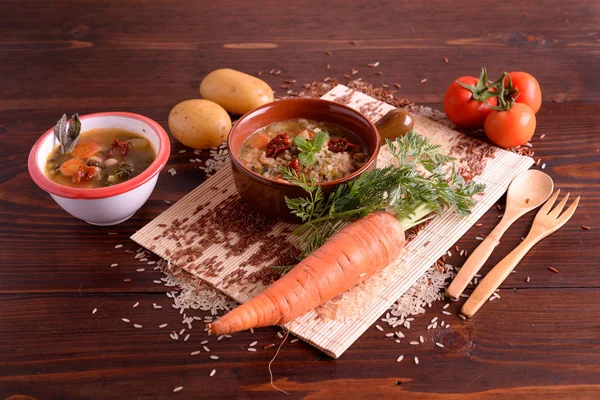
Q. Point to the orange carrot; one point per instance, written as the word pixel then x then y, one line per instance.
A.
pixel 353 254
pixel 69 167
pixel 85 150
pixel 258 141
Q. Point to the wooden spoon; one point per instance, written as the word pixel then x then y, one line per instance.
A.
pixel 526 192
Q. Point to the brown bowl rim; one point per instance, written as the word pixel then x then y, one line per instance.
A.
pixel 347 178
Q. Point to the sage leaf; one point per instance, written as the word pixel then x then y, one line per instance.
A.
pixel 67 138
pixel 73 133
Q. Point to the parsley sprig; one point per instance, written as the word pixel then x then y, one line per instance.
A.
pixel 309 148
pixel 402 190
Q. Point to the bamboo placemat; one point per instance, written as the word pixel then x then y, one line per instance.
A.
pixel 216 264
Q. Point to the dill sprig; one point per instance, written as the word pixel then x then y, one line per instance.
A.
pixel 402 190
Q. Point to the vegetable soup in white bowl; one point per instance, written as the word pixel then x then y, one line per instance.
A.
pixel 106 173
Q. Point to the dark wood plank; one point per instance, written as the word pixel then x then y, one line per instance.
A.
pixel 526 342
pixel 174 45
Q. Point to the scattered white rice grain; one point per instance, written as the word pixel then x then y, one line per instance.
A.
pixel 446 313
pixel 399 334
pixel 417 360
pixel 462 317
pixel 280 335
pixel 379 327
pixel 163 326
pixel 478 238
pixel 438 344
pixel 447 305
pixel 421 339
pixel 294 340
pixel 492 298
pixel 94 311
pixel 178 389
pixel 181 331
pixel 543 165
pixel 253 343
pixel 464 295
pixel 449 253
pixel 186 337
pixel 214 357
pixel 140 269
pixel 114 265
pixel 157 282
pixel 213 372
pixel 143 259
pixel 252 331
pixel 434 319
pixel 400 358
pixel 204 342
pixel 137 325
pixel 414 343
pixel 397 340
pixel 391 334
pixel 137 303
pixel 496 295
pixel 151 262
pixel 167 202
pixel 125 320
pixel 206 349
pixel 172 171
pixel 118 246
pixel 251 349
pixel 181 151
pixel 195 353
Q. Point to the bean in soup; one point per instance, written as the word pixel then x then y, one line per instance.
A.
pixel 320 150
pixel 102 157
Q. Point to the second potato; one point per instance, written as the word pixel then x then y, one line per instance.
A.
pixel 235 91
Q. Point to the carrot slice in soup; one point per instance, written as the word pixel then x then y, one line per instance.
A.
pixel 69 167
pixel 85 150
pixel 258 141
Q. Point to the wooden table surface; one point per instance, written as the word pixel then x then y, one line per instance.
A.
pixel 541 338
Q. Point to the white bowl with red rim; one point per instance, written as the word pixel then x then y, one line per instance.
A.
pixel 107 205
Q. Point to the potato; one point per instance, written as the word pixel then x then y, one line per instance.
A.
pixel 235 91
pixel 200 124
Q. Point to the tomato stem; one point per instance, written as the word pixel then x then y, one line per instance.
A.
pixel 482 90
pixel 506 92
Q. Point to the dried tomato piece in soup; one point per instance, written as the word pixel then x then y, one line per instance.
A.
pixel 83 173
pixel 337 145
pixel 118 148
pixel 278 144
pixel 295 165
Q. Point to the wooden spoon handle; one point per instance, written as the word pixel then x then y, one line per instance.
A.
pixel 495 277
pixel 476 260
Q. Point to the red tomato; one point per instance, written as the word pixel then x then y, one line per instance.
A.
pixel 462 108
pixel 510 128
pixel 529 91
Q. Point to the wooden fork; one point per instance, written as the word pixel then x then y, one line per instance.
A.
pixel 545 223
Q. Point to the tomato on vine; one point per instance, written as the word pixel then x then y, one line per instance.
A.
pixel 524 88
pixel 467 100
pixel 510 124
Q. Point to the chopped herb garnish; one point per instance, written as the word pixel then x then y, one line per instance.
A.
pixel 309 148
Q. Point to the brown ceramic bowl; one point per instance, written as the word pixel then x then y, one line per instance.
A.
pixel 267 195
